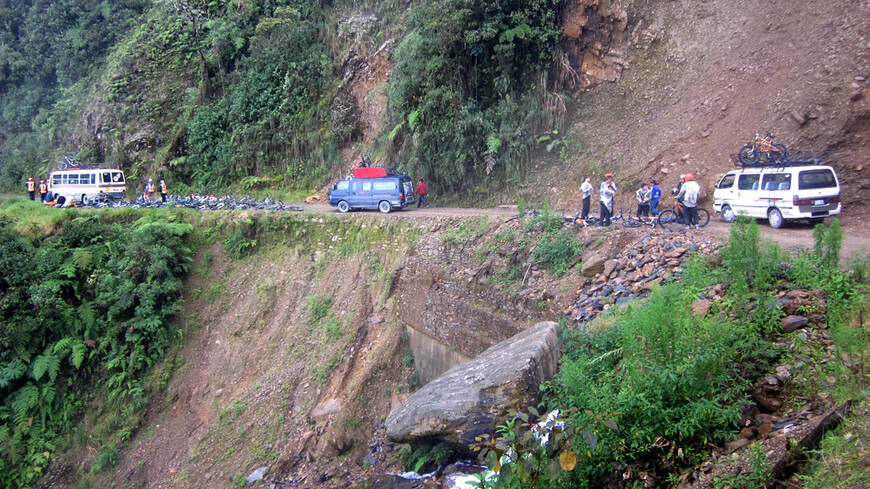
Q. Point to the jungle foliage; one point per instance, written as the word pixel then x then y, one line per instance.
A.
pixel 206 94
pixel 87 304
pixel 469 92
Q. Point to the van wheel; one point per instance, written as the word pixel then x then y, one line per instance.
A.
pixel 774 217
pixel 728 214
pixel 343 207
pixel 85 200
pixel 385 207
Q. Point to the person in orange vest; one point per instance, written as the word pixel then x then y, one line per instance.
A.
pixel 31 188
pixel 43 189
pixel 163 190
pixel 421 194
pixel 150 188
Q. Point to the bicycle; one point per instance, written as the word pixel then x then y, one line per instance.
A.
pixel 762 150
pixel 67 162
pixel 673 219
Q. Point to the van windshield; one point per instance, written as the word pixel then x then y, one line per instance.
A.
pixel 727 181
pixel 814 179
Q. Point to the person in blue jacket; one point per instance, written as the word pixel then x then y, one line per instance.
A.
pixel 656 194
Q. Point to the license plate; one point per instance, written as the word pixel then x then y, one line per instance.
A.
pixel 820 201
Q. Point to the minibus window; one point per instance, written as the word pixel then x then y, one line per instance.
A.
pixel 73 179
pixel 385 185
pixel 747 182
pixel 106 177
pixel 727 181
pixel 776 181
pixel 814 179
pixel 117 177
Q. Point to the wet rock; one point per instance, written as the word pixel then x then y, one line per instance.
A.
pixel 473 398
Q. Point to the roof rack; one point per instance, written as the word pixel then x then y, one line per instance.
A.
pixel 799 158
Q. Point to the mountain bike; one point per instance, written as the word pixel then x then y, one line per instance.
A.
pixel 762 150
pixel 674 219
pixel 67 162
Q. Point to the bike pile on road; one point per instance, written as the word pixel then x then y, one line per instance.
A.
pixel 201 202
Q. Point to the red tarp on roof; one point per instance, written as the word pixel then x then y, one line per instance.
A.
pixel 370 172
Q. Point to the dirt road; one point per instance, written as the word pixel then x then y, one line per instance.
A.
pixel 791 237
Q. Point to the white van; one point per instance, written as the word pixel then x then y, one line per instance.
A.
pixel 87 185
pixel 778 193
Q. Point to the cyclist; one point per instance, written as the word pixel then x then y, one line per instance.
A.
pixel 690 191
pixel 644 197
pixel 586 189
pixel 606 192
pixel 655 197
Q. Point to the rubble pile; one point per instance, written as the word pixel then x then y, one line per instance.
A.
pixel 629 274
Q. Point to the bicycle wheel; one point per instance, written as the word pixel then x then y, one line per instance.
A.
pixel 669 220
pixel 61 165
pixel 748 155
pixel 703 217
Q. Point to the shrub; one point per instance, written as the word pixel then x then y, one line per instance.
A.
pixel 558 252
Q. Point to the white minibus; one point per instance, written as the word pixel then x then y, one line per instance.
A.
pixel 778 193
pixel 85 186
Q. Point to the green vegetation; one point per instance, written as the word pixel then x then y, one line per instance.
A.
pixel 89 304
pixel 255 94
pixel 667 383
pixel 469 91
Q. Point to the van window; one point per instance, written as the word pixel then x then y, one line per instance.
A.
pixel 813 179
pixel 776 181
pixel 73 179
pixel 117 177
pixel 56 179
pixel 747 182
pixel 727 181
pixel 367 186
pixel 342 185
pixel 385 185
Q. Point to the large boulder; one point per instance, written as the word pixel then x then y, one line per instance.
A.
pixel 473 398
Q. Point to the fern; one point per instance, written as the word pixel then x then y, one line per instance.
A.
pixel 11 371
pixel 62 345
pixel 78 354
pixel 67 269
pixel 25 400
pixel 87 314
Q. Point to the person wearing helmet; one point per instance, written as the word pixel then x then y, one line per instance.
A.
pixel 150 189
pixel 689 194
pixel 163 190
pixel 43 190
pixel 31 188
pixel 606 192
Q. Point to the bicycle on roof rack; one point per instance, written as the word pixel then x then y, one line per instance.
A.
pixel 762 150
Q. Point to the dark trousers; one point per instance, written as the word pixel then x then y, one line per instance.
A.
pixel 32 194
pixel 691 216
pixel 643 210
pixel 605 215
pixel 584 213
pixel 42 197
pixel 421 200
pixel 164 197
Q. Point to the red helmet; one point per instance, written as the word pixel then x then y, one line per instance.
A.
pixel 689 177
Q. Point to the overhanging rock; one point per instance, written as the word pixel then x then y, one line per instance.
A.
pixel 473 398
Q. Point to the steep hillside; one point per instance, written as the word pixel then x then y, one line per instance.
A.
pixel 702 77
